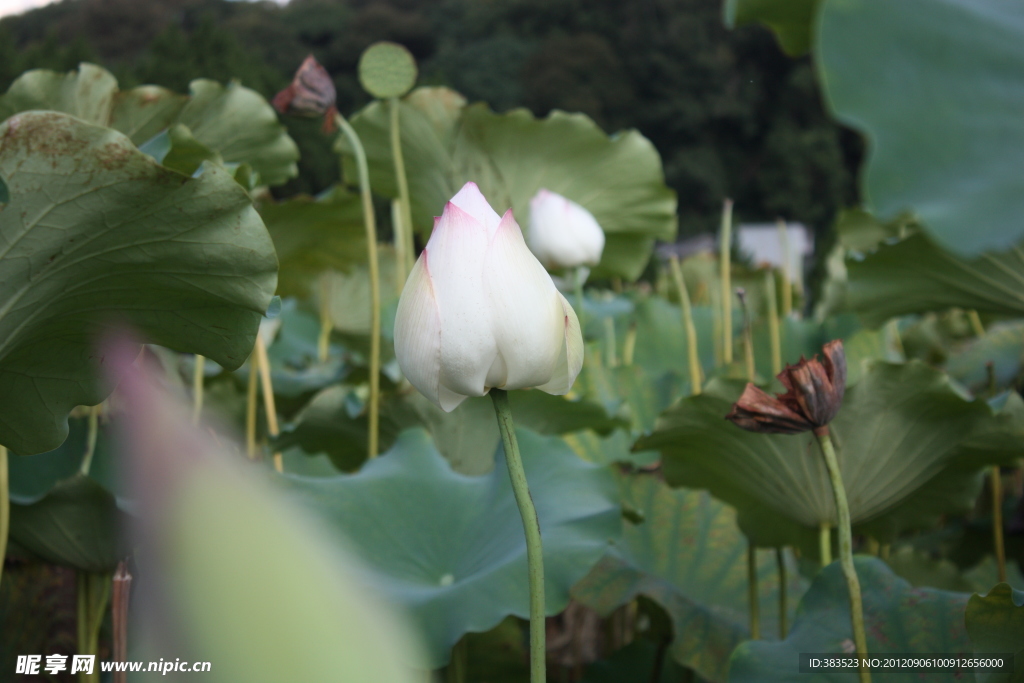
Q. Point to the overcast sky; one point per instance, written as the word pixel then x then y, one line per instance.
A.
pixel 16 6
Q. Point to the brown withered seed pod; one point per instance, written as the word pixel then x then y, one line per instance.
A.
pixel 814 394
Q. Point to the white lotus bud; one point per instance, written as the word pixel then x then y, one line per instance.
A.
pixel 562 233
pixel 479 311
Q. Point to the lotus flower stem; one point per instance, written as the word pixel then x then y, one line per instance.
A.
pixel 263 363
pixel 250 407
pixel 198 372
pixel 997 522
pixel 398 241
pixel 91 437
pixel 725 265
pixel 93 595
pixel 773 323
pixel 780 562
pixel 752 599
pixel 696 378
pixel 531 527
pixel 371 254
pixel 846 549
pixel 323 342
pixel 5 508
pixel 976 326
pixel 408 247
pixel 122 584
pixel 825 544
pixel 629 345
pixel 787 275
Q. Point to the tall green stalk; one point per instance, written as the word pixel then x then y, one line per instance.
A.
pixel 531 527
pixel 997 521
pixel 408 247
pixel 752 598
pixel 724 267
pixel 371 254
pixel 825 544
pixel 773 323
pixel 91 437
pixel 787 275
pixel 93 595
pixel 198 374
pixel 846 549
pixel 691 329
pixel 5 508
pixel 780 563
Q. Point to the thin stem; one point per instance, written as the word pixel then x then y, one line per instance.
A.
pixel 725 252
pixel 197 387
pixel 780 563
pixel 997 522
pixel 323 342
pixel 825 544
pixel 371 254
pixel 250 407
pixel 398 242
pixel 752 599
pixel 773 324
pixel 696 378
pixel 846 550
pixel 122 584
pixel 787 275
pixel 403 185
pixel 976 326
pixel 263 363
pixel 629 345
pixel 531 527
pixel 456 670
pixel 5 508
pixel 91 436
pixel 93 596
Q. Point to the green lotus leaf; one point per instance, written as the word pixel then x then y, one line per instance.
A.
pixel 898 619
pixel 386 70
pixel 917 276
pixel 910 447
pixel 231 121
pixel 314 235
pixel 97 233
pixel 689 556
pixel 449 547
pixel 77 523
pixel 934 87
pixel 995 624
pixel 618 178
pixel 791 20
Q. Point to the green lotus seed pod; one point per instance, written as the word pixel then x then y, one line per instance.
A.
pixel 387 70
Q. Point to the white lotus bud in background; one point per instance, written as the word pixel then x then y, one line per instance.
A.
pixel 562 233
pixel 479 311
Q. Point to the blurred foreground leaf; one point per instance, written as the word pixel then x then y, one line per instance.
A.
pixel 995 624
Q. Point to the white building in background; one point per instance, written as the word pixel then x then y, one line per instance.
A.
pixel 762 244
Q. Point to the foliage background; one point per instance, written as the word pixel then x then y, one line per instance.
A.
pixel 731 115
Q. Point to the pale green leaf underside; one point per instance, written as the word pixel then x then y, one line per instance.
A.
pixel 97 234
pixel 907 443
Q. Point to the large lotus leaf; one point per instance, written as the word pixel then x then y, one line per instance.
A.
pixel 511 156
pixel 233 121
pixel 311 236
pixel 97 233
pixel 935 85
pixel 690 557
pixel 995 624
pixel 450 547
pixel 909 446
pixel 76 523
pixel 898 619
pixel 791 20
pixel 916 276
